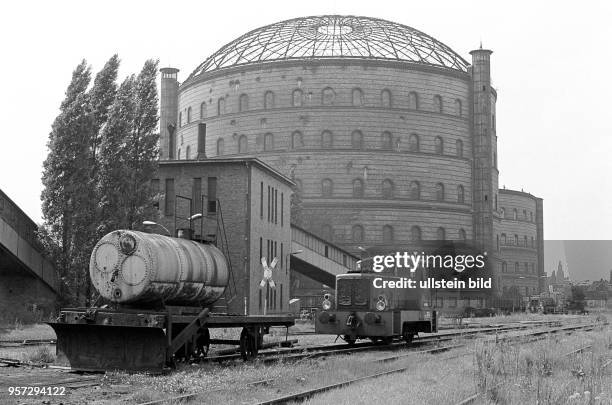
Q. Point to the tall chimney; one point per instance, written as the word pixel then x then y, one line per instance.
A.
pixel 168 113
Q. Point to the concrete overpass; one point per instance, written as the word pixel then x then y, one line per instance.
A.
pixel 28 281
pixel 319 259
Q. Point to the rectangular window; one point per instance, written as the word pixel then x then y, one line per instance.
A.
pixel 212 194
pixel 344 260
pixel 196 195
pixel 275 251
pixel 281 296
pixel 275 206
pixel 260 299
pixel 274 292
pixel 268 203
pixel 282 210
pixel 282 257
pixel 260 248
pixel 326 251
pixel 268 250
pixel 202 139
pixel 261 201
pixel 154 193
pixel 169 207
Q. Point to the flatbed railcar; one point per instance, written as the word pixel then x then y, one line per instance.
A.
pixel 163 294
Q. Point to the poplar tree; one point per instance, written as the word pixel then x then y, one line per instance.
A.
pixel 66 177
pixel 113 169
pixel 142 144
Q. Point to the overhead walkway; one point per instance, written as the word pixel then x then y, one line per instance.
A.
pixel 28 281
pixel 317 258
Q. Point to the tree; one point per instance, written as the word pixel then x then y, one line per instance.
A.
pixel 143 144
pixel 113 170
pixel 66 178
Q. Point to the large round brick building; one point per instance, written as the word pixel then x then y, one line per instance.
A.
pixel 389 134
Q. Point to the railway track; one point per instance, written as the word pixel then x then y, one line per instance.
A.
pixel 303 395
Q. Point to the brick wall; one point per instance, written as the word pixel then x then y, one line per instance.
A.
pixel 238 191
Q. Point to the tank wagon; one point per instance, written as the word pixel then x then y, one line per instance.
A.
pixel 366 307
pixel 161 294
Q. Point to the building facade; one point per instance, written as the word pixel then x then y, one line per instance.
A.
pixel 245 211
pixel 389 135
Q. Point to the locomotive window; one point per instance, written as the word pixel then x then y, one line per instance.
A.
pixel 344 293
pixel 360 293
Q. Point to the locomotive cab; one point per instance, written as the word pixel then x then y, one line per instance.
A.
pixel 375 306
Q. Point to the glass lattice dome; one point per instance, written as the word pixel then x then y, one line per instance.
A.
pixel 333 37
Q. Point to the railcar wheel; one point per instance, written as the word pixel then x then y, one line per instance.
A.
pixel 387 340
pixel 408 337
pixel 248 344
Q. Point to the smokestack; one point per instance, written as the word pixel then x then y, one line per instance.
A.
pixel 168 112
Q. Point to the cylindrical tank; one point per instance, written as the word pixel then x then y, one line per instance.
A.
pixel 130 267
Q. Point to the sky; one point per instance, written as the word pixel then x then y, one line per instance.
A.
pixel 550 66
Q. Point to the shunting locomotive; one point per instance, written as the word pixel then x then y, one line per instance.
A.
pixel 366 308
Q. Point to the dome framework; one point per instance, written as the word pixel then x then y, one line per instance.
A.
pixel 333 37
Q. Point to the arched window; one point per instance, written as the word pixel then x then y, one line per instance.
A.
pixel 220 146
pixel 221 106
pixel 268 141
pixel 357 233
pixel 439 145
pixel 188 152
pixel 297 98
pixel 326 232
pixel 504 268
pixel 440 192
pixel 387 233
pixel 202 111
pixel 502 212
pixel 462 235
pixel 386 140
pixel 525 215
pixel 242 144
pixel 243 103
pixel 328 96
pixel 441 234
pixel 357 140
pixel 460 194
pixel 357 97
pixel 415 190
pixel 385 98
pixel 458 108
pixel 297 141
pixel 413 143
pixel 357 188
pixel 387 189
pixel 268 100
pixel 437 102
pixel 413 100
pixel 459 147
pixel 514 214
pixel 503 239
pixel 516 267
pixel 180 119
pixel 178 155
pixel 415 234
pixel 327 188
pixel 189 115
pixel 327 139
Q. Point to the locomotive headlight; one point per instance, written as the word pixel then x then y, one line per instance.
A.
pixel 326 305
pixel 381 304
pixel 127 243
